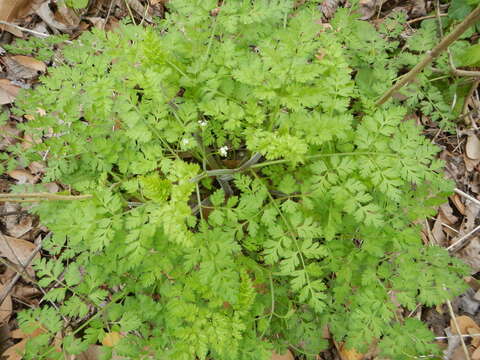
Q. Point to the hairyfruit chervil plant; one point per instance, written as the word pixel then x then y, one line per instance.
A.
pixel 246 193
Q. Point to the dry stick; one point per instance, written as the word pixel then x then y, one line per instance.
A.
pixel 42 196
pixel 424 18
pixel 457 327
pixel 24 29
pixel 457 245
pixel 467 196
pixel 12 283
pixel 471 19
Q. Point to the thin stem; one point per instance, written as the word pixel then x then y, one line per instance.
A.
pixel 41 196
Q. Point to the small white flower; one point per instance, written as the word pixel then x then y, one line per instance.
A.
pixel 202 123
pixel 185 141
pixel 223 151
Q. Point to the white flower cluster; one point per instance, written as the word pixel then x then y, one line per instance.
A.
pixel 223 151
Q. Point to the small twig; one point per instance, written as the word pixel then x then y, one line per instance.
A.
pixel 471 19
pixel 409 22
pixel 7 289
pixel 9 213
pixel 456 336
pixel 24 29
pixel 467 196
pixel 43 196
pixel 457 327
pixel 462 241
pixel 469 95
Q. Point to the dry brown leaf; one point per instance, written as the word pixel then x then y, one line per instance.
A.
pixel 329 7
pixel 9 134
pixel 23 226
pixel 30 62
pixel 11 10
pixel 476 354
pixel 287 356
pixel 67 16
pixel 22 176
pixel 17 71
pixel 17 251
pixel 8 91
pixel 350 354
pixel 457 201
pixel 464 323
pixel 15 352
pixel 5 307
pixel 47 15
pixel 26 292
pixel 418 8
pixel 472 148
pixel 92 353
pixel 368 8
pixel 111 339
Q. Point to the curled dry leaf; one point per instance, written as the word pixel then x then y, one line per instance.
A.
pixel 5 307
pixel 472 148
pixel 48 16
pixel 8 91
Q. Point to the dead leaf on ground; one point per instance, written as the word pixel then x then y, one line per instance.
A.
pixel 464 323
pixel 472 148
pixel 350 354
pixel 17 70
pixel 15 352
pixel 23 225
pixel 457 201
pixel 8 91
pixel 368 8
pixel 329 7
pixel 287 356
pixel 48 16
pixel 30 62
pixel 67 16
pixel 12 10
pixel 17 251
pixel 5 307
pixel 22 176
pixel 418 8
pixel 9 134
pixel 111 339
